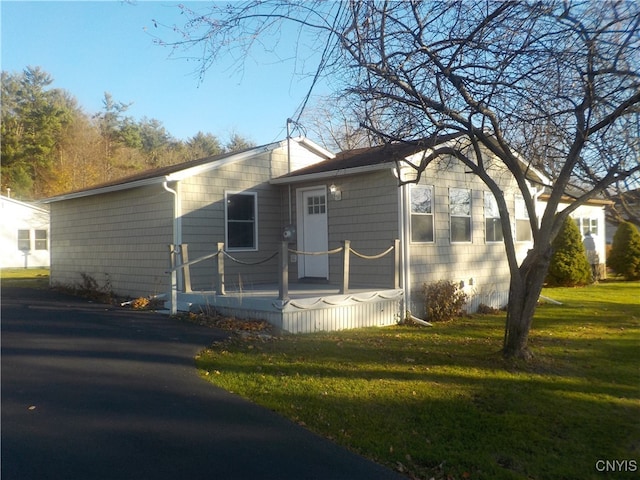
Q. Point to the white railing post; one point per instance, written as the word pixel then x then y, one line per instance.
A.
pixel 396 264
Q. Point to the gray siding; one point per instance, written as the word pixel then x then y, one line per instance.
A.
pixel 367 215
pixel 479 265
pixel 119 239
pixel 203 222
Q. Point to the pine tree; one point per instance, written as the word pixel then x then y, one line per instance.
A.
pixel 569 265
pixel 624 258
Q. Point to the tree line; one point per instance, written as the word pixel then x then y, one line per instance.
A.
pixel 50 145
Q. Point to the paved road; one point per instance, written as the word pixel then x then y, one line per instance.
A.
pixel 93 392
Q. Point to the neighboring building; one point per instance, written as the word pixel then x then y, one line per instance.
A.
pixel 447 226
pixel 24 234
pixel 590 218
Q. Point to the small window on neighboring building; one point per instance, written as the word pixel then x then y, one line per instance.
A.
pixel 24 240
pixel 523 227
pixel 460 214
pixel 587 225
pixel 241 213
pixel 41 242
pixel 421 214
pixel 493 227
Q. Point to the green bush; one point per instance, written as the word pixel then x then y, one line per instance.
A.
pixel 569 265
pixel 624 258
pixel 443 300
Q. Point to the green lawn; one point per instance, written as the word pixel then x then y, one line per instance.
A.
pixel 442 403
pixel 25 277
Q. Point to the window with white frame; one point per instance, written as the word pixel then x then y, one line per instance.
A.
pixel 523 226
pixel 492 225
pixel 421 214
pixel 24 240
pixel 241 219
pixel 41 242
pixel 460 214
pixel 587 225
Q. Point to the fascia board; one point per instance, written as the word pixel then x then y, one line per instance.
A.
pixel 331 174
pixel 109 189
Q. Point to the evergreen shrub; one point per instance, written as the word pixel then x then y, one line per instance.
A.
pixel 569 266
pixel 624 258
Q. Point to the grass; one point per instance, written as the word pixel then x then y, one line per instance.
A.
pixel 25 277
pixel 442 403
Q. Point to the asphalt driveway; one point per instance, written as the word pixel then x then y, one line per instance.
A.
pixel 94 392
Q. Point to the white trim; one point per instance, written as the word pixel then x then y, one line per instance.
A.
pixel 300 211
pixel 330 174
pixel 227 193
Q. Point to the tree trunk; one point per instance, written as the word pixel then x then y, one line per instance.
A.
pixel 524 292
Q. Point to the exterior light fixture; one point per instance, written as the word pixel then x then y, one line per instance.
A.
pixel 336 194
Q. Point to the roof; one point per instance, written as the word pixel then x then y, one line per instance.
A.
pixel 379 157
pixel 180 171
pixel 24 204
pixel 366 159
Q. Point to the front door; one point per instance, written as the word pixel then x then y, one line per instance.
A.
pixel 313 236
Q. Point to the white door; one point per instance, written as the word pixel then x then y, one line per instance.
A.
pixel 312 216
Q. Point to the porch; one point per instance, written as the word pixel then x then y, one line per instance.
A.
pixel 296 307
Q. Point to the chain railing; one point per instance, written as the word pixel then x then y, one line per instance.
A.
pixel 179 261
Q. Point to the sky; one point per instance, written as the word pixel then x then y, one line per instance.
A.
pixel 90 48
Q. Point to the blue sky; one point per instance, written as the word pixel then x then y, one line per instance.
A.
pixel 90 48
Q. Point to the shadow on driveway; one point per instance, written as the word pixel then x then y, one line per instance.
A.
pixel 95 392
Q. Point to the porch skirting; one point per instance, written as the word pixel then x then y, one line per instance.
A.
pixel 305 314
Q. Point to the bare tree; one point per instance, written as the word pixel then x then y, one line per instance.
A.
pixel 551 82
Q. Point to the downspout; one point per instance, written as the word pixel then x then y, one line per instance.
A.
pixel 176 277
pixel 403 223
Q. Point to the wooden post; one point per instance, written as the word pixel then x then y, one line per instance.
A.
pixel 283 267
pixel 186 271
pixel 221 269
pixel 346 244
pixel 396 266
pixel 173 298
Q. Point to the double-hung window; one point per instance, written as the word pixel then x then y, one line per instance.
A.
pixel 41 242
pixel 460 214
pixel 492 225
pixel 523 227
pixel 421 214
pixel 242 220
pixel 24 240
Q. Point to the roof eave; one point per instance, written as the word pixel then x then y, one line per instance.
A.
pixel 290 179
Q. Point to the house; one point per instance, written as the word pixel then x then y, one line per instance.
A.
pixel 344 220
pixel 590 219
pixel 24 234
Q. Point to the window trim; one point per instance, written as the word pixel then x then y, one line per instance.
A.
pixel 431 214
pixel 469 216
pixel 489 196
pixel 231 193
